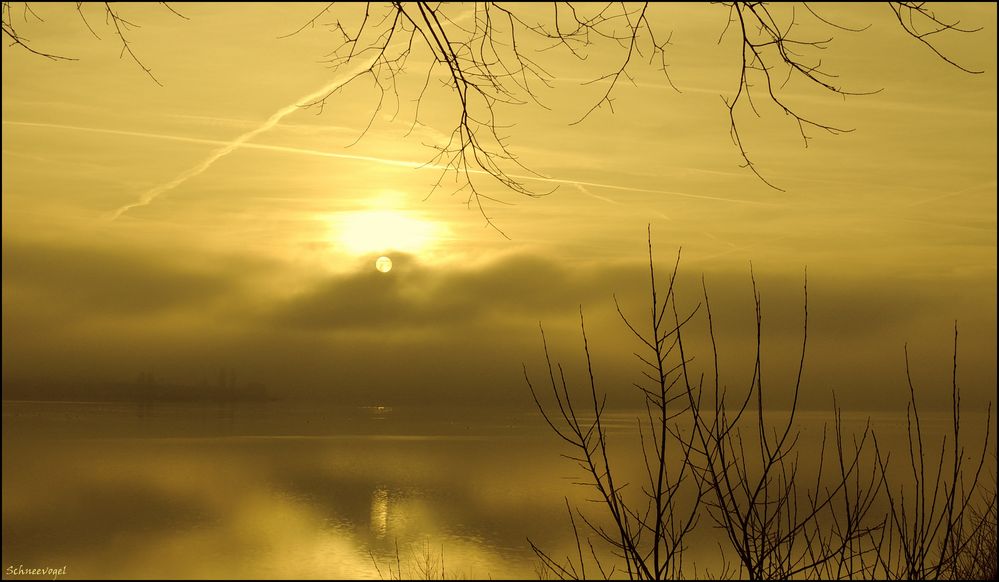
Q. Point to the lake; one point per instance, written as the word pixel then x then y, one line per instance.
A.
pixel 281 490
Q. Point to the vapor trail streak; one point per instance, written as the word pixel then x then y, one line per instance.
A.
pixel 218 142
pixel 582 189
pixel 228 148
pixel 961 192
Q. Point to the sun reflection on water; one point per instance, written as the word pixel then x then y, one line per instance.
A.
pixel 379 512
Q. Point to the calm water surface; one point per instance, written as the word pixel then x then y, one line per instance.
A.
pixel 288 491
pixel 275 490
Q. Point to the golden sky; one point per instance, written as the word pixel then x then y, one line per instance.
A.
pixel 210 222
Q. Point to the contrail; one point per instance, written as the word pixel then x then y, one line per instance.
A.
pixel 990 184
pixel 218 142
pixel 597 196
pixel 228 148
pixel 241 142
pixel 581 188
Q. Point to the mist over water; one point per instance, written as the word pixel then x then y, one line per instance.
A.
pixel 273 490
pixel 268 309
pixel 294 491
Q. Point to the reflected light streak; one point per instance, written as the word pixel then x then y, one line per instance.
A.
pixel 379 512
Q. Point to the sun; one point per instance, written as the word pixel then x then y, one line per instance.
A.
pixel 380 231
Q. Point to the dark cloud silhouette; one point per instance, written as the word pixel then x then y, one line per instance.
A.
pixel 99 280
pixel 414 294
pixel 460 331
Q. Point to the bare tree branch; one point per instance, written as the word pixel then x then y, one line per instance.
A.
pixel 487 57
pixel 113 19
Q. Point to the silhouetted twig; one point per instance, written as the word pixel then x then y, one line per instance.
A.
pixel 730 463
